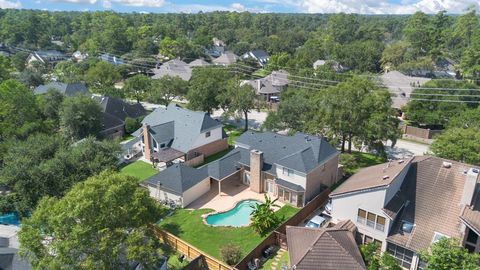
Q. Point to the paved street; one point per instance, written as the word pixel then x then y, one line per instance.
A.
pixel 405 149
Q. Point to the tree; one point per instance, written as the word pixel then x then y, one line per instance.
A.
pixel 132 124
pixel 18 111
pixel 102 74
pixel 5 68
pixel 394 55
pixel 375 261
pixel 136 86
pixel 205 86
pixel 31 77
pixel 231 254
pixel 241 98
pixel 263 216
pixel 467 119
pixel 165 89
pixel 434 113
pixel 101 223
pixel 49 105
pixel 419 32
pixel 68 72
pixel 460 144
pixel 48 165
pixel 80 116
pixel 446 254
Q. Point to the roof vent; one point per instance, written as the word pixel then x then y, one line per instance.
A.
pixel 446 164
pixel 385 177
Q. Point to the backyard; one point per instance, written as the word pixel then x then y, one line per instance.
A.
pixel 139 169
pixel 189 226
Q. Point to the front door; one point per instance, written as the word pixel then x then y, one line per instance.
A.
pixel 246 178
pixel 286 196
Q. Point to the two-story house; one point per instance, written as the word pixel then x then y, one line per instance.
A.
pixel 173 132
pixel 294 169
pixel 406 205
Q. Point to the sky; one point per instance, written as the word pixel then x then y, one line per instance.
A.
pixel 283 6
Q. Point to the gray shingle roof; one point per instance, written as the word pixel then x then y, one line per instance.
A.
pixel 163 132
pixel 289 185
pixel 119 108
pixel 187 124
pixel 299 152
pixel 177 178
pixel 226 58
pixel 226 165
pixel 173 68
pixel 68 89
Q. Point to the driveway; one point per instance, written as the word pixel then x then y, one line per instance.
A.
pixel 405 149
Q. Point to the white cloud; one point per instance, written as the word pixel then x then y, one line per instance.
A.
pixel 77 1
pixel 385 6
pixel 10 4
pixel 238 7
pixel 107 4
pixel 140 3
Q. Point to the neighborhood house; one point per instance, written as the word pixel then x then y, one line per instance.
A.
pixel 293 168
pixel 407 205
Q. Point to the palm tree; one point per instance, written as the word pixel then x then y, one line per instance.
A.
pixel 263 216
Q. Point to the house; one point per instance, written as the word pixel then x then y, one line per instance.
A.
pixel 115 111
pixel 330 248
pixel 258 55
pixel 270 87
pixel 401 86
pixel 79 56
pixel 68 89
pixel 174 132
pixel 173 68
pixel 217 49
pixel 294 169
pixel 112 59
pixel 226 59
pixel 199 63
pixel 406 205
pixel 46 57
pixel 9 246
pixel 336 66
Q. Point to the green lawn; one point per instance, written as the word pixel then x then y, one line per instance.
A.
pixel 261 72
pixel 188 225
pixel 284 259
pixel 139 169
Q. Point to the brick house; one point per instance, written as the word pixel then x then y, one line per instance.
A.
pixel 292 168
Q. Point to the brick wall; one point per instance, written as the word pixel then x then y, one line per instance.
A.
pixel 209 149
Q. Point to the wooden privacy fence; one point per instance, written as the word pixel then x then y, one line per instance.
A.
pixel 423 133
pixel 188 250
pixel 278 237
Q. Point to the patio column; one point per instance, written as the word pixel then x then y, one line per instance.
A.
pixel 219 187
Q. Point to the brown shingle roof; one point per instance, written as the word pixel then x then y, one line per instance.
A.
pixel 432 195
pixel 471 214
pixel 323 249
pixel 372 177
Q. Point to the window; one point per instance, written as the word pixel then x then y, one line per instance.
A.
pixel 269 186
pixel 368 239
pixel 380 223
pixel 421 265
pixel 162 145
pixel 472 237
pixel 207 134
pixel 362 214
pixel 407 227
pixel 371 220
pixel 403 256
pixel 154 144
pixel 287 171
pixel 437 236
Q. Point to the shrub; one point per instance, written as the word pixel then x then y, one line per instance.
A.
pixel 132 124
pixel 231 254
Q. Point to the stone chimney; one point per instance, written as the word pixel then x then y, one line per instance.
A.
pixel 256 165
pixel 469 186
pixel 146 142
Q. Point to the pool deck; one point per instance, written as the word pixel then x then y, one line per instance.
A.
pixel 232 193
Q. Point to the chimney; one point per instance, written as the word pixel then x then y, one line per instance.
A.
pixel 147 151
pixel 259 85
pixel 469 186
pixel 256 164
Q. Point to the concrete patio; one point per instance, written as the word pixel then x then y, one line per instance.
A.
pixel 232 193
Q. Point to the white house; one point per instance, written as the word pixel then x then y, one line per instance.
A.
pixel 406 205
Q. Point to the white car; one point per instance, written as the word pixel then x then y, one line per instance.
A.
pixel 316 222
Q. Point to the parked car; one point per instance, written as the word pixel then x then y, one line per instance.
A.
pixel 316 222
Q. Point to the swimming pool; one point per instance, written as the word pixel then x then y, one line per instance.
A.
pixel 236 217
pixel 9 219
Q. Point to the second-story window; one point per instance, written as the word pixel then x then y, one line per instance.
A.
pixel 207 134
pixel 287 171
pixel 380 224
pixel 371 220
pixel 362 214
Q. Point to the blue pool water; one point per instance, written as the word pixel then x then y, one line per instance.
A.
pixel 236 217
pixel 9 219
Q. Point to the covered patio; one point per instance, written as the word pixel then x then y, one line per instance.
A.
pixel 223 195
pixel 167 155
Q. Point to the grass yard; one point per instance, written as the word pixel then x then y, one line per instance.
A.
pixel 261 72
pixel 139 169
pixel 284 260
pixel 188 225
